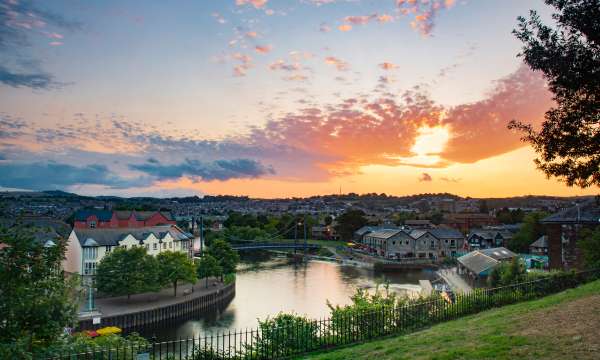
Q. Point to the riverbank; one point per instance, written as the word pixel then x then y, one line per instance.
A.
pixel 150 308
pixel 559 326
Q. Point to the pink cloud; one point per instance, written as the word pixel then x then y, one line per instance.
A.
pixel 282 65
pixel 256 3
pixel 479 129
pixel 359 20
pixel 263 49
pixel 424 12
pixel 55 43
pixel 251 34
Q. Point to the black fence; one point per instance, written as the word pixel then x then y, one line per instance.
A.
pixel 300 337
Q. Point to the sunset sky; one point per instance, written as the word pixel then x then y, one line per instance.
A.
pixel 268 98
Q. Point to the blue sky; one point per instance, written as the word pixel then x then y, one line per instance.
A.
pixel 278 97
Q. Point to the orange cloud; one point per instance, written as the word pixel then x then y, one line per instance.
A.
pixel 345 27
pixel 388 66
pixel 251 34
pixel 384 18
pixel 338 63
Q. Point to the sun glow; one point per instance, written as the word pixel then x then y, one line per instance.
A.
pixel 428 145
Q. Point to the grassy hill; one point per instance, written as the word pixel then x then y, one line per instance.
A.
pixel 560 326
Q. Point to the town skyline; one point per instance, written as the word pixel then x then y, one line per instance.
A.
pixel 270 99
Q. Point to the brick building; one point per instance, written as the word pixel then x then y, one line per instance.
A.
pixel 102 219
pixel 563 230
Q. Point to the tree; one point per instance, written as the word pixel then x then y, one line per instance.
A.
pixel 208 266
pixel 225 255
pixel 127 272
pixel 175 266
pixel 36 300
pixel 568 144
pixel 349 222
pixel 589 243
pixel 529 232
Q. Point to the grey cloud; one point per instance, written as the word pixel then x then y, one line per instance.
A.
pixel 214 170
pixel 425 177
pixel 39 80
pixel 19 20
pixel 52 175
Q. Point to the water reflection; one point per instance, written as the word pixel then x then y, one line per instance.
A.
pixel 274 286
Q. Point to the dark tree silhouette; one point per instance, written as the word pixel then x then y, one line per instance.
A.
pixel 568 143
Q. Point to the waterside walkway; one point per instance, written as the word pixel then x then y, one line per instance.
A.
pixel 147 308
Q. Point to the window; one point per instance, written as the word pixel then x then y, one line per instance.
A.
pixel 89 268
pixel 170 245
pixel 154 246
pixel 90 253
pixel 452 242
pixel 164 246
pixel 406 242
pixel 147 246
pixel 92 224
pixel 108 249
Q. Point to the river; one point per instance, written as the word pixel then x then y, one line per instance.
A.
pixel 266 288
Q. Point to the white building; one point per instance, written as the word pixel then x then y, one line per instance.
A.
pixel 86 247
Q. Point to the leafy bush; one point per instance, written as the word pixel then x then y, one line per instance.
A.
pixel 283 335
pixel 111 346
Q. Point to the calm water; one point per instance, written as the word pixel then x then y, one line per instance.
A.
pixel 274 286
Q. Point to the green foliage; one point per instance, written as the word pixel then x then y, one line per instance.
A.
pixel 175 266
pixel 107 347
pixel 589 243
pixel 506 216
pixel 225 255
pixel 568 54
pixel 208 266
pixel 508 273
pixel 36 300
pixel 284 335
pixel 127 272
pixel 229 279
pixel 529 232
pixel 401 217
pixel 349 222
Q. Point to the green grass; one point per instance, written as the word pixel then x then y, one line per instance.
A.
pixel 555 327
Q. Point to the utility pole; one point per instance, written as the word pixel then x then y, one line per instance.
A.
pixel 295 235
pixel 305 239
pixel 201 233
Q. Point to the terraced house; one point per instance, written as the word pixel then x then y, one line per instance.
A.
pixel 100 219
pixel 87 247
pixel 403 243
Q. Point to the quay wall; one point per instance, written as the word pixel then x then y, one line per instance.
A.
pixel 136 319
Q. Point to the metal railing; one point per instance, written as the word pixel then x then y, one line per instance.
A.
pixel 303 336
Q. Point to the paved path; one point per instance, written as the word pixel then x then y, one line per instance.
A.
pixel 457 283
pixel 120 305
